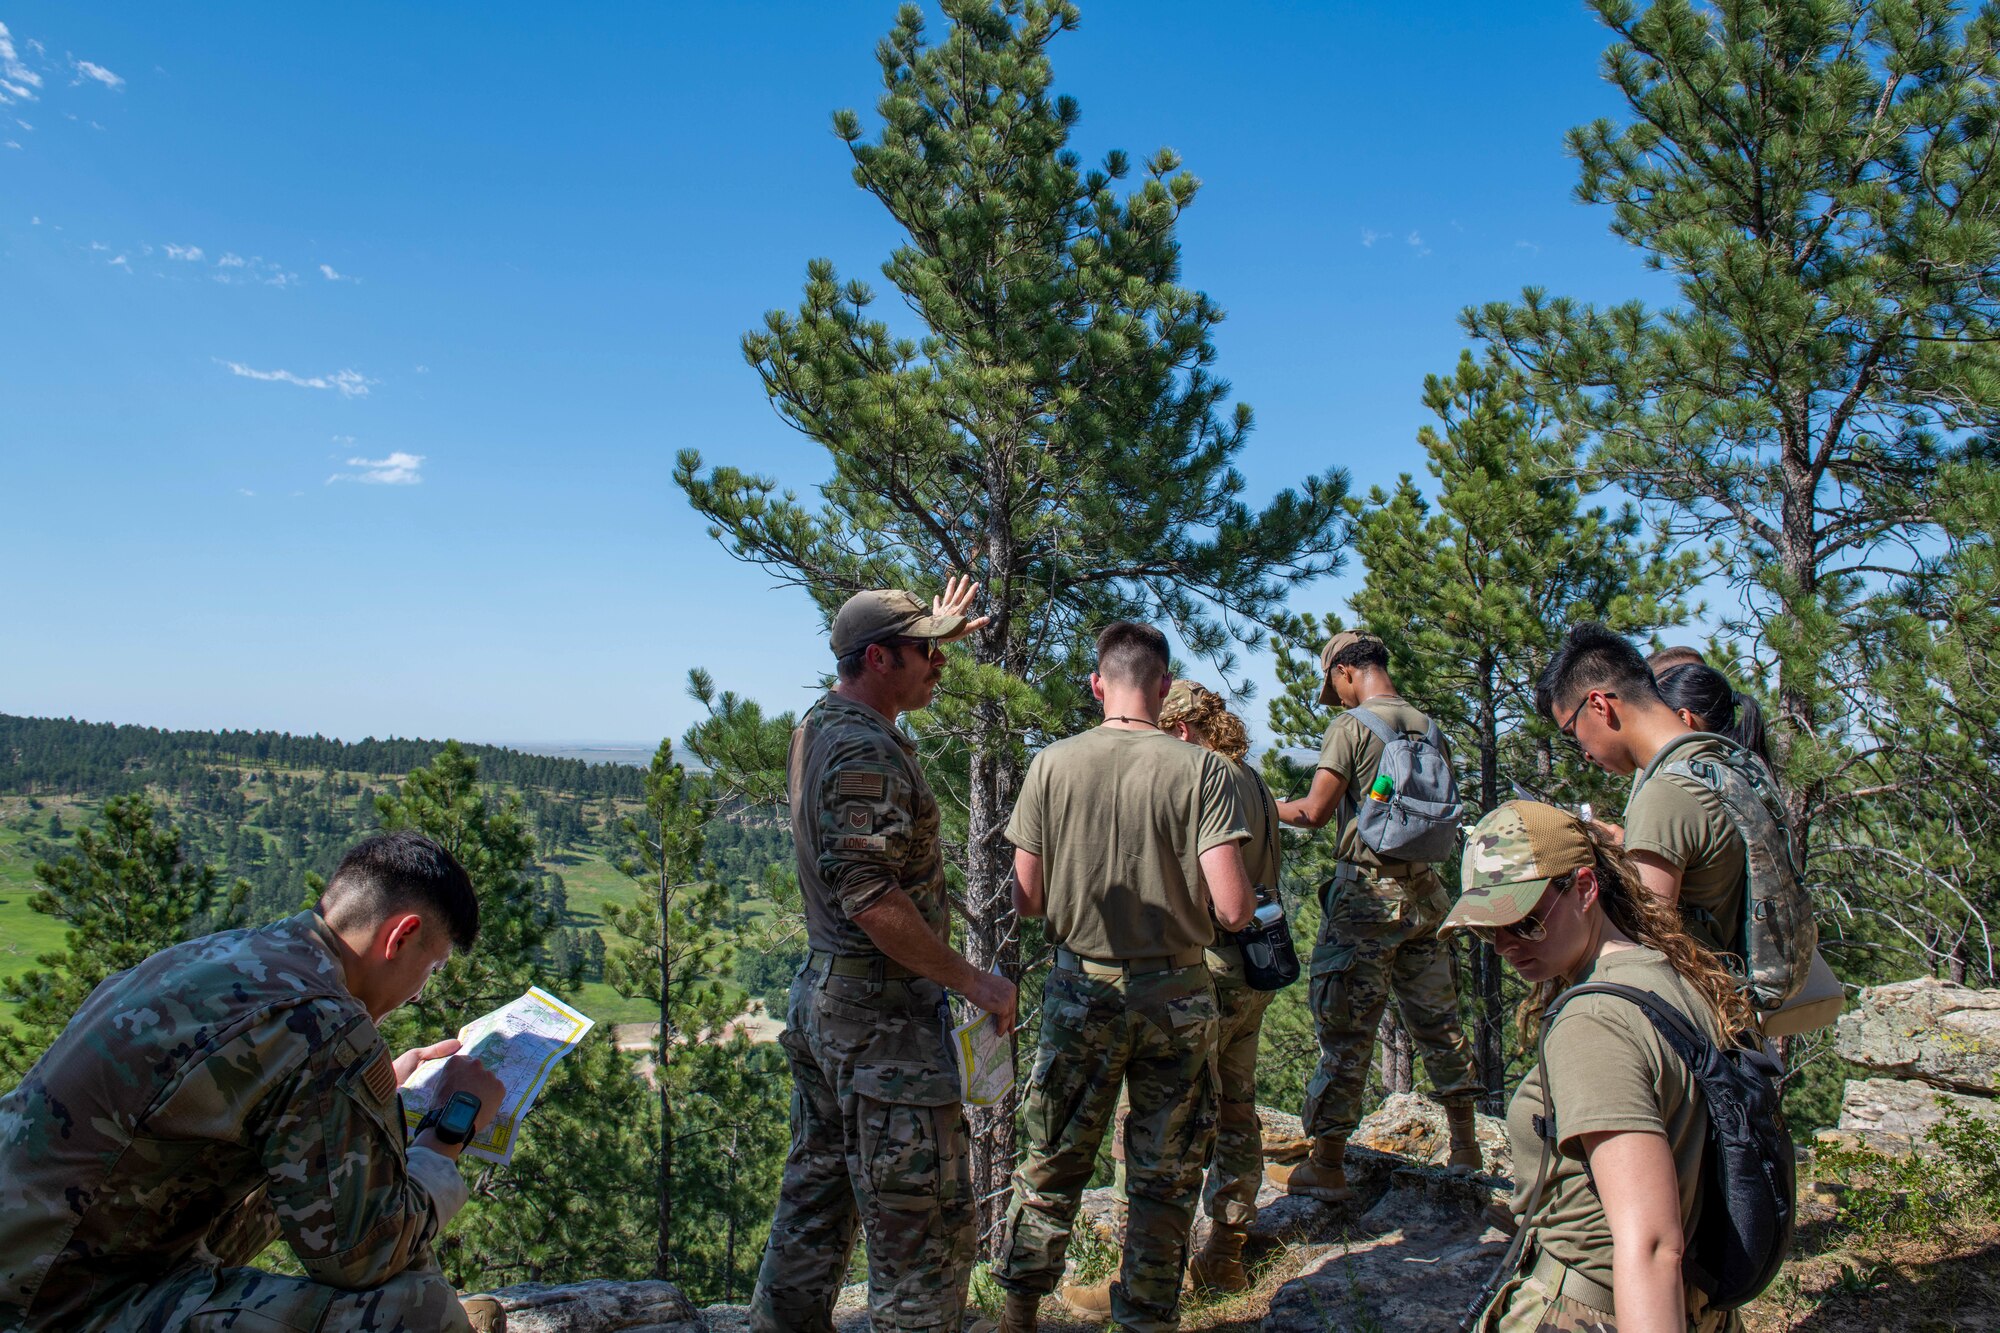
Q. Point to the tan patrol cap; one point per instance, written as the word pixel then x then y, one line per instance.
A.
pixel 1510 857
pixel 888 613
pixel 1335 646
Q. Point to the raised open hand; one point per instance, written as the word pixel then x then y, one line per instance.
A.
pixel 960 591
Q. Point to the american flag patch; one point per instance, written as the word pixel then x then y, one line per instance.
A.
pixel 380 1076
pixel 853 783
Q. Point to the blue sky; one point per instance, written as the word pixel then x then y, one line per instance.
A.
pixel 347 349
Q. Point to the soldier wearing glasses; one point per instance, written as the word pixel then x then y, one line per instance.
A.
pixel 1601 695
pixel 878 1136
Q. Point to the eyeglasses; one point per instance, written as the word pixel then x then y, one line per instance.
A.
pixel 1568 728
pixel 1532 928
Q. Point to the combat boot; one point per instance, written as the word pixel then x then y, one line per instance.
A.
pixel 484 1314
pixel 1464 1136
pixel 1322 1176
pixel 1218 1264
pixel 1088 1300
pixel 1019 1313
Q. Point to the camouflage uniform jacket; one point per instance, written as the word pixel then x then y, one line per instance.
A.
pixel 228 1078
pixel 864 823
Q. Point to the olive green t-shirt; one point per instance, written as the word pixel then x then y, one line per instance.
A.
pixel 1260 814
pixel 1120 820
pixel 1608 1071
pixel 1353 752
pixel 1685 824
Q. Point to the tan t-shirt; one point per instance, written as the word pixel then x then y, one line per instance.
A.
pixel 1352 751
pixel 1608 1071
pixel 1260 812
pixel 1685 824
pixel 1120 820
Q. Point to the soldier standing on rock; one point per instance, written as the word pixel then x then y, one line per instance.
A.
pixel 878 1135
pixel 1125 839
pixel 1378 933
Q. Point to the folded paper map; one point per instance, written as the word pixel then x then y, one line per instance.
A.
pixel 520 1042
pixel 985 1061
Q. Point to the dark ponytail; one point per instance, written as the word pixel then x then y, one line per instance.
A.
pixel 1707 693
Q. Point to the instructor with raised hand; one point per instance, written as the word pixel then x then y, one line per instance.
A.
pixel 878 1136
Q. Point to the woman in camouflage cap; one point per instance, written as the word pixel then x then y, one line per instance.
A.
pixel 1563 905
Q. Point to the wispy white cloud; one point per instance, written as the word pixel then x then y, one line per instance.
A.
pixel 327 271
pixel 398 469
pixel 13 143
pixel 17 81
pixel 230 260
pixel 90 69
pixel 121 262
pixel 35 221
pixel 349 383
pixel 189 254
pixel 1527 245
pixel 99 245
pixel 1369 236
pixel 422 370
pixel 241 490
pixel 1415 238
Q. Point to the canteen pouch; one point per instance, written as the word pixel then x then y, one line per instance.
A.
pixel 1270 960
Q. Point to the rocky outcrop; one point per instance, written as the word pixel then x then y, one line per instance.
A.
pixel 1937 1042
pixel 1936 1032
pixel 599 1307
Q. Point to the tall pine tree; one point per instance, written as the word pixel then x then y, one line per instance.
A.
pixel 1821 183
pixel 1055 429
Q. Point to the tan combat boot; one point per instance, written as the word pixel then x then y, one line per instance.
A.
pixel 1322 1176
pixel 484 1314
pixel 1464 1136
pixel 1218 1264
pixel 1018 1315
pixel 1088 1300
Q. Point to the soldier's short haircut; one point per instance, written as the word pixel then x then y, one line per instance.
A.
pixel 1362 654
pixel 1593 658
pixel 1667 659
pixel 1132 654
pixel 402 872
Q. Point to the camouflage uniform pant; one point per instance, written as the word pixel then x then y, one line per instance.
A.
pixel 250 1300
pixel 1155 1035
pixel 1230 1192
pixel 878 1142
pixel 1379 936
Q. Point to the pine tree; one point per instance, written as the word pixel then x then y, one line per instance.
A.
pixel 126 892
pixel 1056 430
pixel 1472 591
pixel 489 836
pixel 673 953
pixel 1820 182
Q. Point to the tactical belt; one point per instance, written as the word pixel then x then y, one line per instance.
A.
pixel 871 967
pixel 1565 1282
pixel 1126 967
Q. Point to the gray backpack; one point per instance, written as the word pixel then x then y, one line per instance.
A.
pixel 1779 933
pixel 1419 821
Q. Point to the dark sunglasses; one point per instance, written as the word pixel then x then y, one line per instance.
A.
pixel 1568 728
pixel 1532 928
pixel 927 647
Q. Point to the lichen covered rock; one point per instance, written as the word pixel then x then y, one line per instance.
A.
pixel 1939 1032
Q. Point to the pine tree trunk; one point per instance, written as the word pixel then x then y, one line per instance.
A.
pixel 663 1256
pixel 1399 1073
pixel 990 941
pixel 1488 1049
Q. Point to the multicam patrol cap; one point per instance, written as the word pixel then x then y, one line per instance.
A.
pixel 888 613
pixel 1335 646
pixel 1184 698
pixel 1510 857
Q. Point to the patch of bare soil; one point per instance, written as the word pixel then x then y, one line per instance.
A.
pixel 1944 1284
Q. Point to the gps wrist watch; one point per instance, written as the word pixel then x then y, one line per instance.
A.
pixel 452 1122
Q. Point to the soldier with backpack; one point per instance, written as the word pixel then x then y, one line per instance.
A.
pixel 1654 1170
pixel 1704 828
pixel 1384 769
